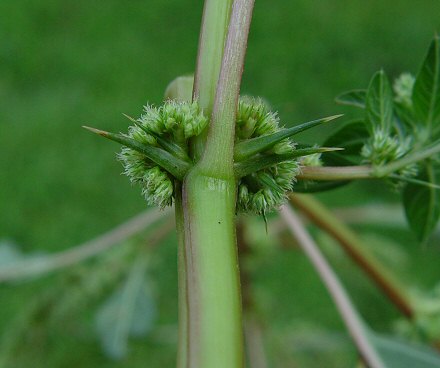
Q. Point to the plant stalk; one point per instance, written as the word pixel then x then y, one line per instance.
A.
pixel 336 173
pixel 365 171
pixel 40 266
pixel 219 150
pixel 352 320
pixel 215 20
pixel 215 336
pixel 348 240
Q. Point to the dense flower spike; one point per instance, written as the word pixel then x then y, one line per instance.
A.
pixel 381 149
pixel 264 190
pixel 169 127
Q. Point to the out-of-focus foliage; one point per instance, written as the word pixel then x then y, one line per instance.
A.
pixel 64 64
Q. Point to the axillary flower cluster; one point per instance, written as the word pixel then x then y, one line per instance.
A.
pixel 169 127
pixel 157 152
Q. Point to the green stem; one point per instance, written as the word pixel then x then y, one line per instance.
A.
pixel 213 32
pixel 336 173
pixel 353 321
pixel 209 191
pixel 182 347
pixel 215 336
pixel 365 171
pixel 352 245
pixel 219 150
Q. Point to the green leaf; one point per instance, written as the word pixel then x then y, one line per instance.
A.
pixel 405 118
pixel 400 354
pixel 354 97
pixel 175 166
pixel 422 203
pixel 379 103
pixel 310 186
pixel 426 92
pixel 250 147
pixel 254 164
pixel 129 312
pixel 351 138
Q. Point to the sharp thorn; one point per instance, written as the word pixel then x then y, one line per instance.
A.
pixel 96 131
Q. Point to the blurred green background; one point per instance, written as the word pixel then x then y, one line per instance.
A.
pixel 68 63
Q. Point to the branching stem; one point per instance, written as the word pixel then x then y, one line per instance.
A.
pixel 353 246
pixel 348 312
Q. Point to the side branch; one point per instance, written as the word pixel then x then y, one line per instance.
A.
pixel 91 248
pixel 352 320
pixel 323 218
pixel 324 173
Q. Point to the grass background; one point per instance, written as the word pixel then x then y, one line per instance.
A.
pixel 64 64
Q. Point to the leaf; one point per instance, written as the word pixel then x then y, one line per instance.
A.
pixel 174 165
pixel 400 354
pixel 243 168
pixel 354 97
pixel 310 186
pixel 129 312
pixel 351 137
pixel 426 92
pixel 250 147
pixel 379 103
pixel 405 119
pixel 422 203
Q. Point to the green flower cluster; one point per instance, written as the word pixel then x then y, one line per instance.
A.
pixel 177 119
pixel 168 127
pixel 263 190
pixel 383 148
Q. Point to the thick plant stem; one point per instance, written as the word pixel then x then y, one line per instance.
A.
pixel 323 218
pixel 213 33
pixel 219 150
pixel 209 194
pixel 214 303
